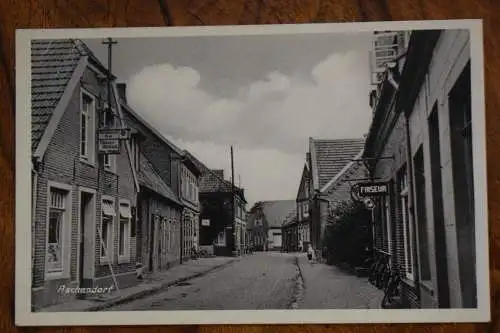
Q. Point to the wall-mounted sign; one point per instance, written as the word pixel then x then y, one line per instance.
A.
pixel 205 222
pixel 372 189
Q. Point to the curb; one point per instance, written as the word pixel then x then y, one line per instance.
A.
pixel 153 290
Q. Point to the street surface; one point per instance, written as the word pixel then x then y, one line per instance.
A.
pixel 265 280
pixel 258 281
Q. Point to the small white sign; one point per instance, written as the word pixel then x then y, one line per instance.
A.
pixel 109 146
pixel 205 222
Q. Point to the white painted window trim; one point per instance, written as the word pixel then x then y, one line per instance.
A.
pixel 89 157
pixel 105 259
pixel 65 232
pixel 407 230
pixel 125 257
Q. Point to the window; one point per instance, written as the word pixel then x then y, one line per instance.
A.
pixel 306 209
pixel 221 238
pixel 425 270
pixel 407 224
pixel 87 108
pixel 108 215
pixel 460 113
pixel 57 217
pixel 124 231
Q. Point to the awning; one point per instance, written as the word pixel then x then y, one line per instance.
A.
pixel 125 211
pixel 108 209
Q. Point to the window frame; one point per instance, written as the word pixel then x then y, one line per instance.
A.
pixel 65 232
pixel 89 155
pixel 409 258
pixel 126 256
pixel 107 258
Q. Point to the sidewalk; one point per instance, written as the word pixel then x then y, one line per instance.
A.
pixel 151 284
pixel 329 287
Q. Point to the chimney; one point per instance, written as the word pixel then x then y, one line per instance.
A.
pixel 122 89
pixel 219 173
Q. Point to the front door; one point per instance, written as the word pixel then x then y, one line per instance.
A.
pixel 84 265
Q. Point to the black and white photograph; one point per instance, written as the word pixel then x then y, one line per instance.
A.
pixel 316 173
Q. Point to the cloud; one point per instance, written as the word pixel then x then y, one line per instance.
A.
pixel 269 121
pixel 265 174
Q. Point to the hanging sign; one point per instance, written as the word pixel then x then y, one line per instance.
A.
pixel 205 222
pixel 110 138
pixel 372 189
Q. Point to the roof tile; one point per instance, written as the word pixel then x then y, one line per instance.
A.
pixel 52 64
pixel 333 155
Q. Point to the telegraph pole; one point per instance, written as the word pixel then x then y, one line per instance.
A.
pixel 233 246
pixel 109 42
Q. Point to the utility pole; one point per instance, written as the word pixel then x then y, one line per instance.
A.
pixel 109 42
pixel 233 246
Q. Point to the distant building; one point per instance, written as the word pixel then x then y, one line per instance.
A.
pixel 329 161
pixel 222 222
pixel 267 218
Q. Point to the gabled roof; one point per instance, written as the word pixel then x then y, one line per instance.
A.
pixel 275 212
pixel 329 157
pixel 303 177
pixel 149 177
pixel 53 63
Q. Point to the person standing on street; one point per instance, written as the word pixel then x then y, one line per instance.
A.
pixel 310 253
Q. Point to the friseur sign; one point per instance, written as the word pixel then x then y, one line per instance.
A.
pixel 373 189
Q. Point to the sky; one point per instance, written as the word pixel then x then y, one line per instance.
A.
pixel 265 95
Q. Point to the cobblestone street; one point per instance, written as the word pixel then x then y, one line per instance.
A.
pixel 269 280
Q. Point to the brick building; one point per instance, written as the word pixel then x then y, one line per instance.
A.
pixel 223 219
pixel 168 200
pixel 328 160
pixel 82 226
pixel 422 116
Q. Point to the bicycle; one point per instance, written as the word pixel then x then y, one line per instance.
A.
pixel 392 292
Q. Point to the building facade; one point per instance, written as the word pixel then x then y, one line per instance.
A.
pixel 426 224
pixel 189 193
pixel 83 200
pixel 222 226
pixel 160 221
pixel 267 219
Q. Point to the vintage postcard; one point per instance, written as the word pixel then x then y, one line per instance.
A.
pixel 317 173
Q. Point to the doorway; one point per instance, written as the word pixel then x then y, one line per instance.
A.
pixel 85 236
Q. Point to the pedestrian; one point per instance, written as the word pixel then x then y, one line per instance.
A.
pixel 310 253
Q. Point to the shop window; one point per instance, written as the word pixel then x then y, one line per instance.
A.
pixel 58 217
pixel 108 215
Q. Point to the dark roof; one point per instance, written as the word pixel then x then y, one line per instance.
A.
pixel 52 65
pixel 331 156
pixel 148 177
pixel 275 212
